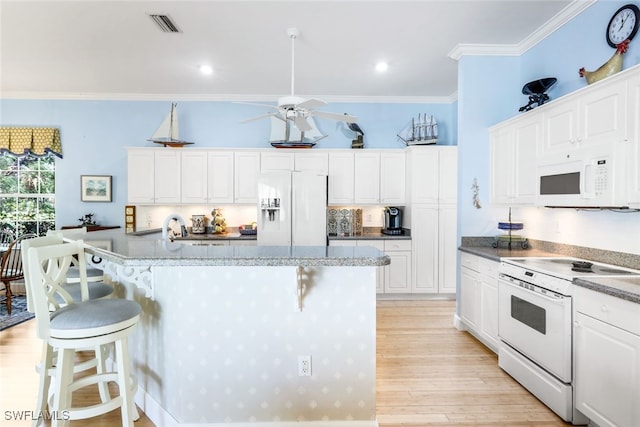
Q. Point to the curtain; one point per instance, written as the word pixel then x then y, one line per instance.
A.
pixel 36 141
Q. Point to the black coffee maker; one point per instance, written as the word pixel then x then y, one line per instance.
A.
pixel 392 221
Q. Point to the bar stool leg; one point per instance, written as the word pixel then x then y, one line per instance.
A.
pixel 102 353
pixel 62 390
pixel 124 379
pixel 44 383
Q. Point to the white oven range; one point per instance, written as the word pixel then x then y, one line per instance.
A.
pixel 535 325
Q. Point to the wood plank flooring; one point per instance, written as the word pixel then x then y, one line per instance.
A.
pixel 428 374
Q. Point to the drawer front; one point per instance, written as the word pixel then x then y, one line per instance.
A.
pixel 378 244
pixel 397 245
pixel 488 267
pixel 614 311
pixel 470 261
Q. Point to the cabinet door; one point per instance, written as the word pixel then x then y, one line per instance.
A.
pixel 167 176
pixel 246 171
pixel 526 139
pixel 424 238
pixel 448 175
pixel 501 165
pixel 140 176
pixel 392 178
pixel 603 114
pixel 381 271
pixel 469 301
pixel 607 372
pixel 220 177
pixel 366 177
pixel 276 161
pixel 424 173
pixel 560 123
pixel 194 176
pixel 341 178
pixel 488 286
pixel 634 140
pixel 312 162
pixel 447 249
pixel 398 273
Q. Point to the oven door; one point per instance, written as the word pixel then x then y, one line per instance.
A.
pixel 537 323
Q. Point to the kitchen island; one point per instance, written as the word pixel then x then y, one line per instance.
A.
pixel 223 329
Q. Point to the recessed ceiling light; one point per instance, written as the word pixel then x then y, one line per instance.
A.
pixel 381 66
pixel 206 70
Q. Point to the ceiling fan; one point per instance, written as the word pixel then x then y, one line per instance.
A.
pixel 297 110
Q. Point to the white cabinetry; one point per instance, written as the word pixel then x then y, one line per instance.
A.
pixel 341 178
pixel 153 176
pixel 220 177
pixel 276 161
pixel 392 278
pixel 312 161
pixel 597 115
pixel 634 140
pixel 607 358
pixel 479 298
pixel 247 169
pixel 513 167
pixel 432 173
pixel 367 177
pixel 194 180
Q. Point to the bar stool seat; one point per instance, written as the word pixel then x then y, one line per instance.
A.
pixel 79 325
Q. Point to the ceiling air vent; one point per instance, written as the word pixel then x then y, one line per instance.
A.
pixel 165 23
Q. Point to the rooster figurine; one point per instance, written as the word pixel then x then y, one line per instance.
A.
pixel 612 66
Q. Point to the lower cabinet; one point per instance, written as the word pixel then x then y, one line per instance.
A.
pixel 607 358
pixel 392 278
pixel 479 298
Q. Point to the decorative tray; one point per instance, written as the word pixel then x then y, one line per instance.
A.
pixel 293 144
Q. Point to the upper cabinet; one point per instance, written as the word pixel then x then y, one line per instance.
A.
pixel 594 116
pixel 433 174
pixel 634 139
pixel 367 177
pixel 247 169
pixel 513 167
pixel 303 161
pixel 153 176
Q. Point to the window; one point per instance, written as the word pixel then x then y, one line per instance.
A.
pixel 27 194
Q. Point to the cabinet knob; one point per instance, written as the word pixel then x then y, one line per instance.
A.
pixel 576 324
pixel 604 308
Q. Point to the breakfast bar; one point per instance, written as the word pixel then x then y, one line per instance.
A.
pixel 248 334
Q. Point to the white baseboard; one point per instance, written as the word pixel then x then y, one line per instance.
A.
pixel 160 417
pixel 458 323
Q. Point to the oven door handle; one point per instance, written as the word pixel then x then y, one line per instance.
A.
pixel 556 299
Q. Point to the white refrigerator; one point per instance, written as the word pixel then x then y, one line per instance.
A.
pixel 292 209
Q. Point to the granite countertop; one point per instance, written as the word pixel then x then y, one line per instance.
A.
pixel 623 288
pixel 151 250
pixel 231 234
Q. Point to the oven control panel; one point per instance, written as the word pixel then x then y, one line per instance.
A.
pixel 536 279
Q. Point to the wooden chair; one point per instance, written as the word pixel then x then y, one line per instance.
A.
pixel 11 266
pixel 74 325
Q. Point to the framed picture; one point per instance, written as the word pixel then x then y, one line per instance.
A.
pixel 95 188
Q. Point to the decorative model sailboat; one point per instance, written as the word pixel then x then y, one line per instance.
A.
pixel 167 133
pixel 422 131
pixel 284 134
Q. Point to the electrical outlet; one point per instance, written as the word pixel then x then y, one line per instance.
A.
pixel 304 366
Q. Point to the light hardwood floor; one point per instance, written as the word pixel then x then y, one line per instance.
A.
pixel 428 374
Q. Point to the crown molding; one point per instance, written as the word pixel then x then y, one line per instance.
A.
pixel 572 10
pixel 69 96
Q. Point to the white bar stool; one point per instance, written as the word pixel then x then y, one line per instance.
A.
pixel 79 325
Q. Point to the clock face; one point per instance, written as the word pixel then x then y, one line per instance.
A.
pixel 623 25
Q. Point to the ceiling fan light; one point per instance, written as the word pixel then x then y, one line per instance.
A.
pixel 206 70
pixel 382 67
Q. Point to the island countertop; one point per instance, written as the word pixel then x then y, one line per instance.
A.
pixel 149 250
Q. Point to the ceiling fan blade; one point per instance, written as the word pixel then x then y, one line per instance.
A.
pixel 335 116
pixel 264 116
pixel 311 103
pixel 302 124
pixel 274 107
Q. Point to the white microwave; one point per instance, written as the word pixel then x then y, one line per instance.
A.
pixel 591 176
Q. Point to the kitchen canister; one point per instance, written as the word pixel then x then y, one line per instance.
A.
pixel 199 225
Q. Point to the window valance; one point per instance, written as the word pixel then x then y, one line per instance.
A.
pixel 24 140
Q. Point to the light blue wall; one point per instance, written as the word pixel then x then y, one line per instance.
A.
pixel 94 134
